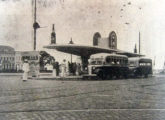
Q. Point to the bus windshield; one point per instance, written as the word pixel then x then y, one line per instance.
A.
pixel 96 62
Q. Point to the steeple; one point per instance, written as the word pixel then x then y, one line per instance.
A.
pixel 53 30
pixel 53 35
pixel 71 42
pixel 135 49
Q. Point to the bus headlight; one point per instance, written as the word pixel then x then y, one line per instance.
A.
pixel 134 70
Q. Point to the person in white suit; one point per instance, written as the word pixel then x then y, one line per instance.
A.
pixel 25 68
pixel 63 68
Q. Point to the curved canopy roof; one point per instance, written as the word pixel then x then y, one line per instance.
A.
pixel 86 51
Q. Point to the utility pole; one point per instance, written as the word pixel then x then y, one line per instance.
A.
pixel 139 42
pixel 35 24
pixel 71 42
pixel 35 9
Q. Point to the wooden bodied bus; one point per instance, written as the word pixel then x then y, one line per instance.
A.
pixel 140 66
pixel 107 66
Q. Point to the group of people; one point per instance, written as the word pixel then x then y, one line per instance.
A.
pixel 64 69
pixel 67 68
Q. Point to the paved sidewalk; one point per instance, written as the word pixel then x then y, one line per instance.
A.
pixel 11 74
pixel 50 77
pixel 43 76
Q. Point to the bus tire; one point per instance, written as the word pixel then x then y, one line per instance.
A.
pixel 125 76
pixel 146 75
pixel 101 75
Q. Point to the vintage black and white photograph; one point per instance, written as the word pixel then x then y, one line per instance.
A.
pixel 82 59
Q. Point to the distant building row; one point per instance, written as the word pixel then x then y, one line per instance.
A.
pixel 11 60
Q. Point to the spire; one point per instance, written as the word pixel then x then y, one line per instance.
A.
pixel 135 49
pixel 71 42
pixel 53 30
pixel 53 35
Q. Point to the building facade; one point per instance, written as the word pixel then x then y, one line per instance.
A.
pixel 108 42
pixel 7 58
pixel 31 56
pixel 12 61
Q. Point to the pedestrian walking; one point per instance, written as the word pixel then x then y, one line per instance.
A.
pixel 57 68
pixel 25 69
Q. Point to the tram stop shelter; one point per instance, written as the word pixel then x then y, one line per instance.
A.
pixel 85 51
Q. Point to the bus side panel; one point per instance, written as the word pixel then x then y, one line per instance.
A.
pixel 114 71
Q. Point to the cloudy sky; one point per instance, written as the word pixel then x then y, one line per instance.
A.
pixel 80 19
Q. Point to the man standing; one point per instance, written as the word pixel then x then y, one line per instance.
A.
pixel 63 68
pixel 25 69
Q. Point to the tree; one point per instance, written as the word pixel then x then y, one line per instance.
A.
pixel 45 58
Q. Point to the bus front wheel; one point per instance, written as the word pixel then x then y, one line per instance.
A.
pixel 102 75
pixel 146 75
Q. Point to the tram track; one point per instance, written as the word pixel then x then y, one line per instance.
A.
pixel 54 97
pixel 83 110
pixel 5 93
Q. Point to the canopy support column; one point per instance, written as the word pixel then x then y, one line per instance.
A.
pixel 84 60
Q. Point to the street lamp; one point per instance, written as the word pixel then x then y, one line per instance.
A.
pixel 71 42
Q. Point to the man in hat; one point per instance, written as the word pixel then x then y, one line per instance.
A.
pixel 25 69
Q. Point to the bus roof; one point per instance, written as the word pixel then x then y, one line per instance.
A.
pixel 106 54
pixel 139 59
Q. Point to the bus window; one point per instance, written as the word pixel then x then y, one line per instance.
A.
pixel 96 62
pixel 120 61
pixel 132 64
pixel 93 62
pixel 145 64
pixel 148 64
pixel 99 62
pixel 112 61
pixel 126 61
pixel 115 61
pixel 108 60
pixel 142 64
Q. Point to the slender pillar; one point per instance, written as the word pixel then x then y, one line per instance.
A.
pixel 139 43
pixel 84 60
pixel 71 42
pixel 35 25
pixel 35 9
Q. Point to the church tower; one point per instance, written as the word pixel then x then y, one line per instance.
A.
pixel 53 36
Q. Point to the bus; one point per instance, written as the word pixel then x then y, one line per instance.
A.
pixel 107 66
pixel 139 66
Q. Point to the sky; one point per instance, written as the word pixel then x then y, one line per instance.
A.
pixel 80 19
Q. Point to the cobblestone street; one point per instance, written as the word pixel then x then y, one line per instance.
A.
pixel 130 99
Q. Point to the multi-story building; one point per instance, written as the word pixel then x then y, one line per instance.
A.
pixel 7 58
pixel 11 60
pixel 31 56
